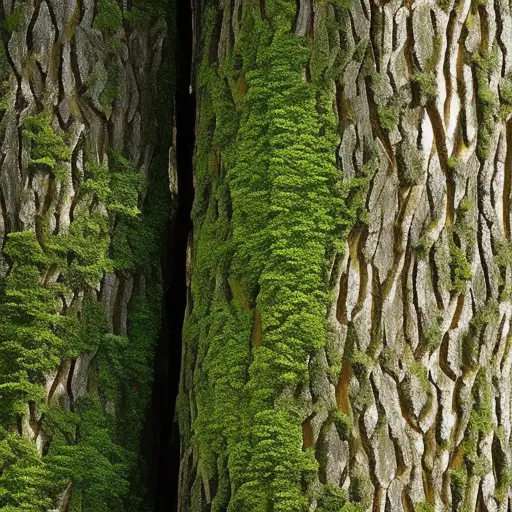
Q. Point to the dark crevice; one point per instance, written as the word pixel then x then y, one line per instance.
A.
pixel 163 471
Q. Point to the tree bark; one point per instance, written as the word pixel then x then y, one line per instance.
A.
pixel 347 339
pixel 84 201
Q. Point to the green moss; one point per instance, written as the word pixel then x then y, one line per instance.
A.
pixel 504 483
pixel 125 185
pixel 480 420
pixel 361 363
pixel 424 506
pixel 48 148
pixel 334 499
pixel 86 443
pixel 487 102
pixel 444 4
pixel 459 267
pixel 142 11
pixel 109 16
pixel 471 341
pixel 418 369
pixel 83 450
pixel 388 117
pixel 426 82
pixel 25 482
pixel 452 162
pixel 435 57
pixel 426 242
pixel 361 488
pixel 360 50
pixel 458 484
pixel 98 451
pixel 434 335
pixel 488 314
pixel 36 336
pixel 503 261
pixel 506 96
pixel 111 90
pixel 13 21
pixel 269 213
pixel 342 422
pixel 82 253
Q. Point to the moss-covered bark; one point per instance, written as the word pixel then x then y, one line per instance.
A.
pixel 347 339
pixel 86 124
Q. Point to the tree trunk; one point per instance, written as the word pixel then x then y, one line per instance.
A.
pixel 84 201
pixel 347 342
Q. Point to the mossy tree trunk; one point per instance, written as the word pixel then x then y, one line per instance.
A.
pixel 84 202
pixel 347 344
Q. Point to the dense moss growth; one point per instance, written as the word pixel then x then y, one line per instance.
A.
pixel 90 446
pixel 270 213
pixel 52 317
pixel 47 146
pixel 109 15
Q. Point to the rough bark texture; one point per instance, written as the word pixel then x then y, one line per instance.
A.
pixel 348 323
pixel 84 200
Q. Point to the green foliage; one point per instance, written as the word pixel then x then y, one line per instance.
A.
pixel 109 16
pixel 48 148
pixel 83 451
pixel 25 482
